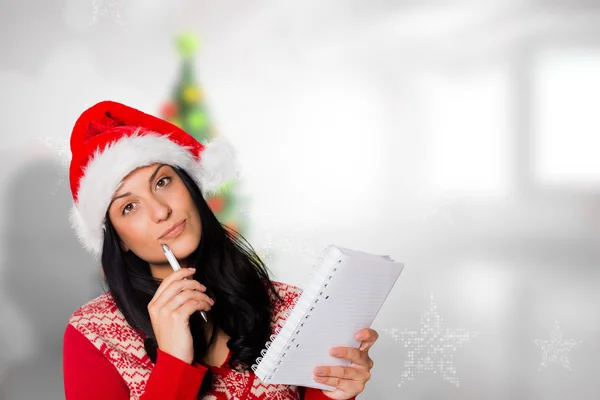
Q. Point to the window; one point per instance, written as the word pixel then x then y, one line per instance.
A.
pixel 467 121
pixel 566 118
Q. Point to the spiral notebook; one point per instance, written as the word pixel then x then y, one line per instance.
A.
pixel 344 296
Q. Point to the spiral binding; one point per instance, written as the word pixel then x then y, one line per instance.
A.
pixel 275 350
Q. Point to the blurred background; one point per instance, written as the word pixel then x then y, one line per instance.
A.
pixel 458 137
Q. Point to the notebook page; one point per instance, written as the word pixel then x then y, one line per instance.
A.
pixel 349 303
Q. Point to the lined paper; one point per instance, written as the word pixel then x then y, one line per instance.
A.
pixel 350 301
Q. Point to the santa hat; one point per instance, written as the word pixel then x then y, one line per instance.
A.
pixel 110 140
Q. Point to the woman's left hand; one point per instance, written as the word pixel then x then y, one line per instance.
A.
pixel 349 381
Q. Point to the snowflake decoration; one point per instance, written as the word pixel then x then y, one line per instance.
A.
pixel 432 348
pixel 556 349
pixel 236 384
pixel 261 390
pixel 104 7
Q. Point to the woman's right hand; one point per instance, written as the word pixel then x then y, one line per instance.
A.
pixel 175 300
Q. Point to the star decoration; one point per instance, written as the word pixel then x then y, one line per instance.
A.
pixel 556 349
pixel 432 348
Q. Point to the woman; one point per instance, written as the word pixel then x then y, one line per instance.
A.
pixel 138 182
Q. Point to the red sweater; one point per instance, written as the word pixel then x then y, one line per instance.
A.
pixel 104 358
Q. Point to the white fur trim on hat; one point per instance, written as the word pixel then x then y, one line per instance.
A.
pixel 105 172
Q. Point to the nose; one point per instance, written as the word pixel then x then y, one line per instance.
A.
pixel 159 208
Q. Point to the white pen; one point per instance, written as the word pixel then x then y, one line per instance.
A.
pixel 176 267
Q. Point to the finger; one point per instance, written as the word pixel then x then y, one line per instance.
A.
pixel 340 372
pixel 367 337
pixel 174 288
pixel 183 297
pixel 190 307
pixel 175 276
pixel 366 345
pixel 345 385
pixel 350 353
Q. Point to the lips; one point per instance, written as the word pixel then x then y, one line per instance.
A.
pixel 174 230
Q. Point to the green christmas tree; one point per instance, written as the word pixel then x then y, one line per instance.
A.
pixel 187 110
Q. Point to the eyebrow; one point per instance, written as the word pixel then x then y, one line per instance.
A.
pixel 149 181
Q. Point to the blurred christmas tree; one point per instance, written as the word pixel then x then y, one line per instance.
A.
pixel 188 111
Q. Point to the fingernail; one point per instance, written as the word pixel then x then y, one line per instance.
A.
pixel 335 352
pixel 192 269
pixel 319 371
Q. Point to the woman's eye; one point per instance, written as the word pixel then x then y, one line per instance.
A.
pixel 162 179
pixel 125 208
pixel 165 179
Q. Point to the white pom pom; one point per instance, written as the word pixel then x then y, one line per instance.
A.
pixel 218 164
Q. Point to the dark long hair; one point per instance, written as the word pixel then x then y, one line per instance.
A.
pixel 225 263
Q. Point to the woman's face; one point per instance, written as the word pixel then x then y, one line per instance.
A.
pixel 151 200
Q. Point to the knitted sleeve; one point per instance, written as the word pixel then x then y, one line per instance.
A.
pixel 88 375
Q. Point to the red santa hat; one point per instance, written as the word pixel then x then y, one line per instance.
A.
pixel 110 140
